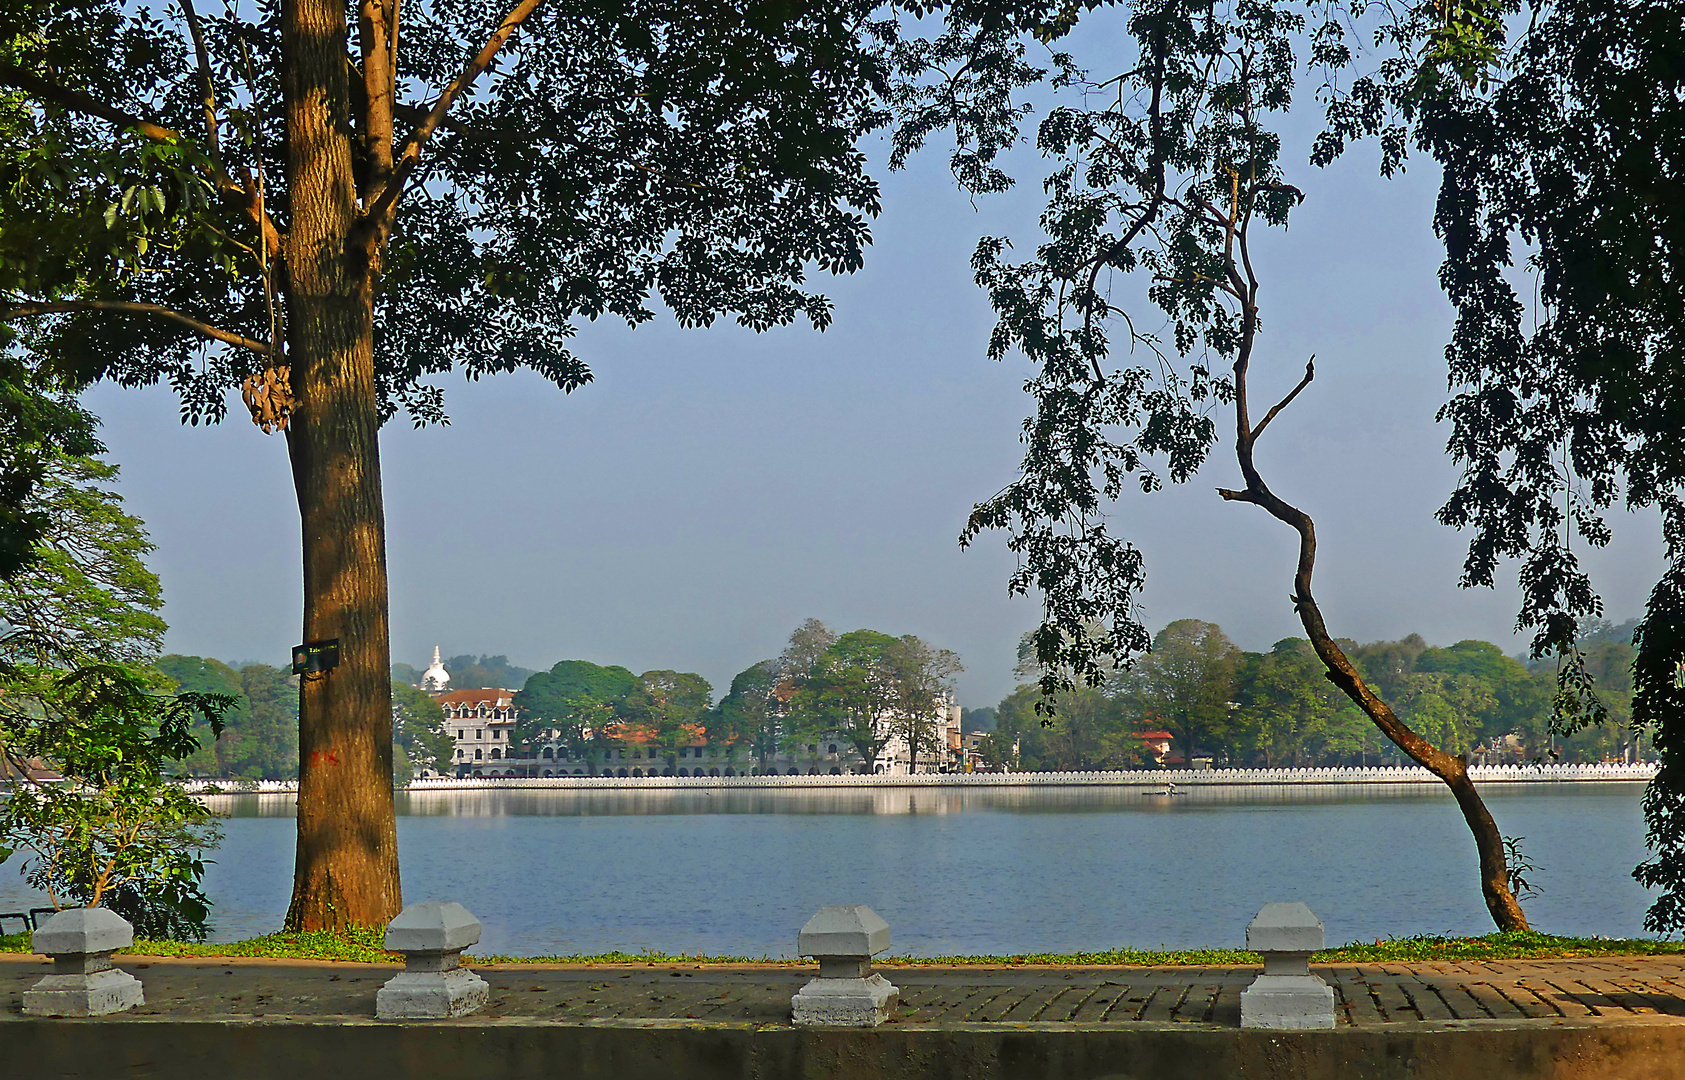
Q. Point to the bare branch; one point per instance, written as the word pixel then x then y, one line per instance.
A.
pixel 207 87
pixel 1310 373
pixel 411 150
pixel 126 308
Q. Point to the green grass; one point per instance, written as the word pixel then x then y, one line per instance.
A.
pixel 364 946
pixel 361 945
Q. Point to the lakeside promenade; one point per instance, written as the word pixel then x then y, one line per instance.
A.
pixel 1144 780
pixel 1605 1018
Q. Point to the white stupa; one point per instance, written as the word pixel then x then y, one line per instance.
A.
pixel 435 679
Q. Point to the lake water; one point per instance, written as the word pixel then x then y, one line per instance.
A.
pixel 972 871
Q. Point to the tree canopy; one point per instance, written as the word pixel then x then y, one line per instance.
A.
pixel 278 199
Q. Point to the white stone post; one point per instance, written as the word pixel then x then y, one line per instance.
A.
pixel 844 938
pixel 1286 996
pixel 433 985
pixel 83 982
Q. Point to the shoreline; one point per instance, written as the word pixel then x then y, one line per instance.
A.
pixel 1141 779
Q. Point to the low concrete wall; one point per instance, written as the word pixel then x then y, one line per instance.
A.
pixel 171 1049
pixel 1139 778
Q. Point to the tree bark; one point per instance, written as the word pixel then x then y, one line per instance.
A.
pixel 1453 770
pixel 346 873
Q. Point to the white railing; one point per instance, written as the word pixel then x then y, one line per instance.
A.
pixel 1155 778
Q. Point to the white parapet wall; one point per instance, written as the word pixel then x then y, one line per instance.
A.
pixel 1143 778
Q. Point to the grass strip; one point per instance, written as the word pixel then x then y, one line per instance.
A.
pixel 365 946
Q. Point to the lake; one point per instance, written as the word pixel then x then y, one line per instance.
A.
pixel 958 871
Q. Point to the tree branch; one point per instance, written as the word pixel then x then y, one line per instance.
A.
pixel 1310 373
pixel 408 154
pixel 374 24
pixel 76 101
pixel 127 308
pixel 1155 166
pixel 207 86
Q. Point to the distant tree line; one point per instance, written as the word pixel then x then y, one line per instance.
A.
pixel 863 687
pixel 1273 709
pixel 259 739
pixel 1277 709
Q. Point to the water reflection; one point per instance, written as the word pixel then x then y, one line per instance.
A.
pixel 994 870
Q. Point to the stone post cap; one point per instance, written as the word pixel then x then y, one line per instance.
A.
pixel 432 926
pixel 82 930
pixel 1290 927
pixel 843 930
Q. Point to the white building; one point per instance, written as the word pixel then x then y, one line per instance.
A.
pixel 481 723
pixel 435 680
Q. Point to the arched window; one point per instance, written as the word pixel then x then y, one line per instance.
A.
pixel 496 753
pixel 833 748
pixel 813 772
pixel 622 772
pixel 682 772
pixel 476 755
pixel 547 772
pixel 637 772
pixel 730 772
pixel 713 772
pixel 836 772
pixel 549 753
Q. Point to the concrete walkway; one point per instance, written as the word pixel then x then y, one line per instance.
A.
pixel 1368 996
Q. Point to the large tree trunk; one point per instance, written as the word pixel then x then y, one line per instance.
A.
pixel 346 873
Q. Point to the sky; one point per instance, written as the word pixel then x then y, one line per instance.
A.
pixel 713 488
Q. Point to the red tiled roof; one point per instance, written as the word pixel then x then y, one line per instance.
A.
pixel 487 695
pixel 1154 736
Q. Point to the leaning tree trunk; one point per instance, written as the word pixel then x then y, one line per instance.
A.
pixel 346 873
pixel 1453 770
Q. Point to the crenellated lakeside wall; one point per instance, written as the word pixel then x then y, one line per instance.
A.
pixel 1143 779
pixel 344 1048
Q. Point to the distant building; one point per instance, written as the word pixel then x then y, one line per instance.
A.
pixel 1158 745
pixel 435 680
pixel 972 743
pixel 481 723
pixel 941 751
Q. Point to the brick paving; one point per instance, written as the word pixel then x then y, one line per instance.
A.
pixel 1367 995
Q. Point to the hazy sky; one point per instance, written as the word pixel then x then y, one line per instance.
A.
pixel 713 488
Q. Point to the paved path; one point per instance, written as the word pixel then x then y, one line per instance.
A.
pixel 1367 995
